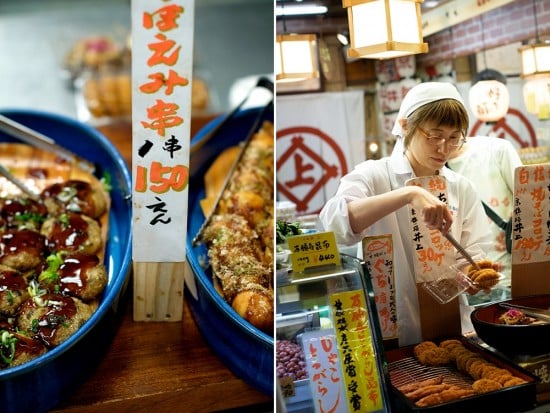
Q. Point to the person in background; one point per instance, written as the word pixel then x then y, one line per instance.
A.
pixel 373 198
pixel 489 162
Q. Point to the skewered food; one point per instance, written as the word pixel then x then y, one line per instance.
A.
pixel 239 235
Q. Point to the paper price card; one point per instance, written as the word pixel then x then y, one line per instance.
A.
pixel 356 349
pixel 433 253
pixel 531 214
pixel 378 256
pixel 313 250
pixel 324 371
pixel 162 50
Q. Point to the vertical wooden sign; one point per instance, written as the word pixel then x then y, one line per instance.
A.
pixel 162 52
pixel 531 231
pixel 378 256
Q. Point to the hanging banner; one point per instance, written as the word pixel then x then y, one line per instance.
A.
pixel 433 256
pixel 356 349
pixel 378 257
pixel 531 214
pixel 320 137
pixel 324 371
pixel 162 51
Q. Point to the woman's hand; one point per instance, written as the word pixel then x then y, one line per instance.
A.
pixel 436 214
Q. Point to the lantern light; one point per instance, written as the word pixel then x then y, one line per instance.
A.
pixel 535 58
pixel 489 98
pixel 296 57
pixel 384 29
pixel 536 96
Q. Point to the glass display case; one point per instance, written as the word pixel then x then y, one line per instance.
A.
pixel 328 340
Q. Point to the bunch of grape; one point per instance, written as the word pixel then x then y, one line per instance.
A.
pixel 290 360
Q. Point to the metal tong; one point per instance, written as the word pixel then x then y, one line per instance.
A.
pixel 262 82
pixel 539 313
pixel 42 141
pixel 461 249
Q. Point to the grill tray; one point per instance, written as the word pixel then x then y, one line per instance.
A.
pixel 404 369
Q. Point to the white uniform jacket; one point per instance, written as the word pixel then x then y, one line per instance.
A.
pixel 373 177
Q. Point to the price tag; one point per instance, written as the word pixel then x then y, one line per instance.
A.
pixel 313 250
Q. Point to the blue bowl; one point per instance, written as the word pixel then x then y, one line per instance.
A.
pixel 39 385
pixel 247 351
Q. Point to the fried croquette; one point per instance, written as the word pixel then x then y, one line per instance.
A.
pixel 513 381
pixel 423 346
pixel 486 276
pixel 485 386
pixel 437 356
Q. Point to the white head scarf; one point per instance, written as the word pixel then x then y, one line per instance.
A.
pixel 418 96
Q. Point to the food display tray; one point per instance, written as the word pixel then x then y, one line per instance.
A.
pixel 247 351
pixel 405 369
pixel 42 383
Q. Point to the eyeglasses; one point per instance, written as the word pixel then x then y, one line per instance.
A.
pixel 454 142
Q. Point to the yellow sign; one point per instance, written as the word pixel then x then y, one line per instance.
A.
pixel 359 363
pixel 313 250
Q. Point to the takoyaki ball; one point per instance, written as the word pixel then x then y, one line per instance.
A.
pixel 17 348
pixel 72 232
pixel 78 275
pixel 22 250
pixel 13 290
pixel 22 213
pixel 53 318
pixel 75 196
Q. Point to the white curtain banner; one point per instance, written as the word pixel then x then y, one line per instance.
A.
pixel 320 137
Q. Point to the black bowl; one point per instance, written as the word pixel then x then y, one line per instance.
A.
pixel 513 340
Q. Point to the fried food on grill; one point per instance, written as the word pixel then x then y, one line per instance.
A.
pixel 444 396
pixel 430 354
pixel 513 381
pixel 239 235
pixel 486 276
pixel 487 376
pixel 485 386
pixel 408 388
pixel 426 391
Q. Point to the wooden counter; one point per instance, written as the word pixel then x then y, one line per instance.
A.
pixel 158 367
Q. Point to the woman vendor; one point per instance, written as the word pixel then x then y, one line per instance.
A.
pixel 375 199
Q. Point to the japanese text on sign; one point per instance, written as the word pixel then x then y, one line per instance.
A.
pixel 531 214
pixel 356 348
pixel 325 375
pixel 313 250
pixel 378 256
pixel 162 34
pixel 432 251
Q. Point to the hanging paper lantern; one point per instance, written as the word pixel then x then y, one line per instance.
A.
pixel 489 97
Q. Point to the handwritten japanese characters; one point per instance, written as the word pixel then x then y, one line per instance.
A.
pixel 531 214
pixel 162 73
